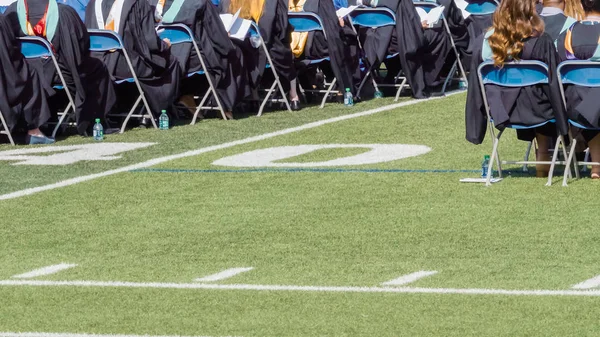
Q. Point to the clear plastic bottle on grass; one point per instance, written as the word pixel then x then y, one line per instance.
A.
pixel 163 120
pixel 485 164
pixel 348 99
pixel 98 131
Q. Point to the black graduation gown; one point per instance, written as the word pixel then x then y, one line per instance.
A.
pixel 222 58
pixel 582 102
pixel 458 28
pixel 87 78
pixel 22 94
pixel 422 52
pixel 528 105
pixel 553 24
pixel 156 69
pixel 476 25
pixel 343 63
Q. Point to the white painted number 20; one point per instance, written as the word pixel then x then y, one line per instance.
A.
pixel 378 153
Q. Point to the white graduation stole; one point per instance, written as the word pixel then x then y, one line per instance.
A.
pixel 113 21
pixel 160 6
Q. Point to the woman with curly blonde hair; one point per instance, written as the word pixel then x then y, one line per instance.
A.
pixel 517 33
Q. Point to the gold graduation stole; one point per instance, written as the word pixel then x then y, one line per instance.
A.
pixel 298 39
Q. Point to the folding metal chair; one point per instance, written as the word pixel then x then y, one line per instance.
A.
pixel 585 74
pixel 457 65
pixel 482 7
pixel 515 74
pixel 254 33
pixel 5 130
pixel 108 41
pixel 33 47
pixel 179 33
pixel 306 22
pixel 376 18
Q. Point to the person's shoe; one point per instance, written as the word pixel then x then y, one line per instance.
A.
pixel 295 106
pixel 36 140
pixel 229 115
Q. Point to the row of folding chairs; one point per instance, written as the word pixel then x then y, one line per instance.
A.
pixel 108 41
pixel 530 73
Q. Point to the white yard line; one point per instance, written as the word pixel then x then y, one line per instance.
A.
pixel 66 334
pixel 409 278
pixel 325 289
pixel 225 274
pixel 594 282
pixel 46 270
pixel 160 160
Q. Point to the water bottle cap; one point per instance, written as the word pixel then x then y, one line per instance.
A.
pixel 486 157
pixel 347 89
pixel 97 120
pixel 163 111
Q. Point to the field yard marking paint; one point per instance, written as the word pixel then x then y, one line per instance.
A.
pixel 69 154
pixel 594 282
pixel 303 169
pixel 160 160
pixel 46 270
pixel 325 289
pixel 225 274
pixel 409 278
pixel 67 334
pixel 379 153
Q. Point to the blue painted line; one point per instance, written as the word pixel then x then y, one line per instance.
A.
pixel 300 169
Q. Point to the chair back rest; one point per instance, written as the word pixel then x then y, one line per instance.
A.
pixel 580 73
pixel 373 17
pixel 35 47
pixel 304 22
pixel 176 33
pixel 514 74
pixel 102 40
pixel 3 9
pixel 425 5
pixel 481 7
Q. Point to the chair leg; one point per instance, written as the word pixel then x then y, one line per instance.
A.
pixel 494 157
pixel 329 90
pixel 568 163
pixel 399 91
pixel 199 108
pixel 61 119
pixel 267 98
pixel 6 129
pixel 554 158
pixel 527 153
pixel 135 105
pixel 449 77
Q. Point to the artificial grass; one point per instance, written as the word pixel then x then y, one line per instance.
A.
pixel 310 228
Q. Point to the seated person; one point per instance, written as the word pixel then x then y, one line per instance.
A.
pixel 526 40
pixel 272 19
pixel 555 20
pixel 314 46
pixel 156 69
pixel 423 51
pixel 580 42
pixel 223 59
pixel 22 95
pixel 87 78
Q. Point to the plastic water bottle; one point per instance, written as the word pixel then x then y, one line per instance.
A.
pixel 378 94
pixel 485 164
pixel 98 131
pixel 462 84
pixel 163 121
pixel 348 100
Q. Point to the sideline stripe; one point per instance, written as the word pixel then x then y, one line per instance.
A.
pixel 46 270
pixel 225 274
pixel 300 169
pixel 259 287
pixel 594 282
pixel 160 160
pixel 409 278
pixel 66 334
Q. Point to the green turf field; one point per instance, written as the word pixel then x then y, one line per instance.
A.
pixel 321 240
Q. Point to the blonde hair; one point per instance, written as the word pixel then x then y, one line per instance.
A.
pixel 251 9
pixel 574 9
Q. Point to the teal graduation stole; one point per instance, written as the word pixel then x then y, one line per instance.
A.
pixel 170 15
pixel 51 19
